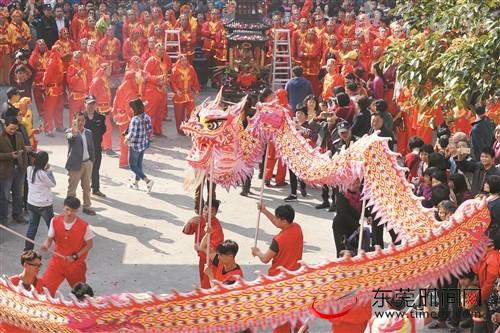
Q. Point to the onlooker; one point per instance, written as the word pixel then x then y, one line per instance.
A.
pixel 138 139
pixel 493 188
pixel 80 158
pixel 496 145
pixel 73 239
pixel 482 133
pixel 480 170
pixel 13 96
pixel 298 88
pixel 40 198
pixel 459 189
pixel 377 123
pixel 96 123
pixel 13 163
pixel 46 26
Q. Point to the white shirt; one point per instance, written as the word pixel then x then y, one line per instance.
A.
pixel 67 226
pixel 85 155
pixel 39 191
pixel 60 23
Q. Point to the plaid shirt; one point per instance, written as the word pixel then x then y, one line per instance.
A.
pixel 139 132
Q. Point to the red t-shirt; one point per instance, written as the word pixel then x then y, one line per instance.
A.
pixel 39 284
pixel 226 277
pixel 288 245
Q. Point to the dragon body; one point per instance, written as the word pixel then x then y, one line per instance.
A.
pixel 430 250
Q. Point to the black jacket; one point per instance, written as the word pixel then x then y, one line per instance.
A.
pixel 98 127
pixel 46 29
pixel 361 123
pixel 479 174
pixel 482 135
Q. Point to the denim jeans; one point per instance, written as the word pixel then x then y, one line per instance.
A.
pixel 135 163
pixel 14 183
pixel 35 213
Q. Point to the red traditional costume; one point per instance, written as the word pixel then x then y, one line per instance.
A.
pixel 90 32
pixel 38 60
pixel 67 243
pixel 133 46
pixel 53 81
pixel 19 32
pixel 100 89
pixel 157 16
pixel 146 24
pixel 67 47
pixel 297 38
pixel 109 48
pixel 132 87
pixel 78 85
pixel 78 22
pixel 220 54
pixel 5 49
pixel 216 237
pixel 187 38
pixel 309 54
pixel 209 30
pixel 332 79
pixel 130 24
pixel 272 35
pixel 158 68
pixel 184 84
pixel 93 58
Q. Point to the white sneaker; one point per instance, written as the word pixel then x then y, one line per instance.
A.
pixel 134 185
pixel 150 185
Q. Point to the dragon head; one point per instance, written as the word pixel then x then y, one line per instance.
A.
pixel 215 131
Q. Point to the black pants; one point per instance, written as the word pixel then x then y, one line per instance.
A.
pixel 294 181
pixel 325 190
pixel 96 166
pixel 198 193
pixel 444 311
pixel 378 234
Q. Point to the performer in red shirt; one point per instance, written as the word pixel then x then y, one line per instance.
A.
pixel 132 87
pixel 89 31
pixel 5 49
pixel 187 37
pixel 38 60
pixel 53 80
pixel 109 48
pixel 298 36
pixel 146 24
pixel 216 236
pixel 185 86
pixel 286 247
pixel 158 66
pixel 130 24
pixel 223 266
pixel 99 88
pixel 73 240
pixel 67 46
pixel 78 85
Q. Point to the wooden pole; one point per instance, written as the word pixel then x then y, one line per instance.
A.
pixel 361 225
pixel 30 240
pixel 200 209
pixel 210 198
pixel 261 194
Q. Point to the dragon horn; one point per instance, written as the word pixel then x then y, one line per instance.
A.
pixel 217 99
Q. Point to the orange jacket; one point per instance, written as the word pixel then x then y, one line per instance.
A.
pixel 53 77
pixel 99 88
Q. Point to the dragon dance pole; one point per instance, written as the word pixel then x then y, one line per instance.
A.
pixel 30 240
pixel 362 225
pixel 261 194
pixel 200 209
pixel 210 197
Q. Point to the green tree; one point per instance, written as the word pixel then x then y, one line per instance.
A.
pixel 453 45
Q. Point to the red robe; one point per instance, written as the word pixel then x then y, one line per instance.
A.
pixel 53 81
pixel 78 85
pixel 310 54
pixel 109 49
pixel 132 48
pixel 77 25
pixel 184 83
pixel 155 93
pixel 39 62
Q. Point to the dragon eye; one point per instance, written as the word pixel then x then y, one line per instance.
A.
pixel 214 124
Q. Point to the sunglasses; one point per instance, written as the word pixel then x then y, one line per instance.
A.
pixel 34 265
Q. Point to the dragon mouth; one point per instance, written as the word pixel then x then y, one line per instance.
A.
pixel 199 158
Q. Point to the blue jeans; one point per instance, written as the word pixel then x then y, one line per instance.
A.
pixel 135 163
pixel 14 183
pixel 35 213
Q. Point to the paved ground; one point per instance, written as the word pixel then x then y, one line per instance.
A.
pixel 139 244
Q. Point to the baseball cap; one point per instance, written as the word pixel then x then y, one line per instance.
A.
pixel 343 126
pixel 90 99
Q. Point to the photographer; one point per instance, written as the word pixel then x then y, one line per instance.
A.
pixel 21 74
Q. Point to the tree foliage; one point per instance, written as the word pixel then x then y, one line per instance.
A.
pixel 453 47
